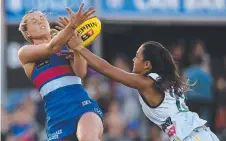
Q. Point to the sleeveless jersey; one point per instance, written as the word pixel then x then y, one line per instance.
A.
pixel 63 94
pixel 172 115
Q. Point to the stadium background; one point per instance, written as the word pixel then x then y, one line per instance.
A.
pixel 188 28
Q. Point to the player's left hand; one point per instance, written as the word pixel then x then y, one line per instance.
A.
pixel 62 23
pixel 69 54
pixel 75 42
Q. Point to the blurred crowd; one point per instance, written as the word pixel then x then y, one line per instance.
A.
pixel 23 115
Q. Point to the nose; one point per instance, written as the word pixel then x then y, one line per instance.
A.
pixel 41 19
pixel 133 59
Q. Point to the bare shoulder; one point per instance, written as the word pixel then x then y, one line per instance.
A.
pixel 32 53
pixel 143 81
pixel 28 68
pixel 22 52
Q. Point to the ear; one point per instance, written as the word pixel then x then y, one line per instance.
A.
pixel 148 65
pixel 27 34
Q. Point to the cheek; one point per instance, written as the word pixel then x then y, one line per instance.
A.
pixel 137 65
pixel 34 28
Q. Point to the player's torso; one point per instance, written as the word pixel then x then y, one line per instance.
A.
pixel 52 73
pixel 172 115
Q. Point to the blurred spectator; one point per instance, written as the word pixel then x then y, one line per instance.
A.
pixel 155 134
pixel 114 124
pixel 21 124
pixel 199 50
pixel 98 88
pixel 133 131
pixel 201 95
pixel 126 96
pixel 5 124
pixel 221 107
pixel 177 51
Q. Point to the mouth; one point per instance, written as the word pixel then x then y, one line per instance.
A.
pixel 43 27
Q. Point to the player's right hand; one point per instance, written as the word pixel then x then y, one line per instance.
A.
pixel 77 18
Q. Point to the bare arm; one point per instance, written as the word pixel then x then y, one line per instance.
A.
pixel 130 79
pixel 79 65
pixel 31 53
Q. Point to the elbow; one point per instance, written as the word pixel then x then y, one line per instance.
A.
pixel 82 75
pixel 81 72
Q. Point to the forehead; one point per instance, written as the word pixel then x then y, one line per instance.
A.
pixel 140 50
pixel 34 15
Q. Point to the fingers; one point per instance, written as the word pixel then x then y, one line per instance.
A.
pixel 79 35
pixel 80 8
pixel 59 24
pixel 76 35
pixel 91 13
pixel 90 17
pixel 69 10
pixel 88 10
pixel 66 19
pixel 69 57
pixel 66 52
pixel 58 28
pixel 73 37
pixel 63 21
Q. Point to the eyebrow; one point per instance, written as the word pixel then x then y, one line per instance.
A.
pixel 31 19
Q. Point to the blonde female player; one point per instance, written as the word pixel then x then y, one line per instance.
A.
pixel 71 114
pixel 160 87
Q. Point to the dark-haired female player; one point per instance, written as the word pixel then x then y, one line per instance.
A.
pixel 160 87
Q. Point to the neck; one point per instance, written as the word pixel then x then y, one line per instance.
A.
pixel 41 40
pixel 146 72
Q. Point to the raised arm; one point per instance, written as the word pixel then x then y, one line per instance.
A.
pixel 31 53
pixel 130 79
pixel 78 63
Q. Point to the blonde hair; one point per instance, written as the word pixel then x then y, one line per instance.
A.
pixel 23 27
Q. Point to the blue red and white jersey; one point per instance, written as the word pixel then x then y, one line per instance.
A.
pixel 53 73
pixel 64 96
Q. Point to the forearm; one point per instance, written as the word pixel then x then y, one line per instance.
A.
pixel 80 65
pixel 100 65
pixel 94 61
pixel 61 38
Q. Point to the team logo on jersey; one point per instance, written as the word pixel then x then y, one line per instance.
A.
pixel 86 102
pixel 54 135
pixel 42 63
pixel 167 123
pixel 170 129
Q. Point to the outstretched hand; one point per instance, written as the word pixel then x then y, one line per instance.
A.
pixel 76 18
pixel 75 42
pixel 62 23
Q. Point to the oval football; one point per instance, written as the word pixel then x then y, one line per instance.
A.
pixel 89 30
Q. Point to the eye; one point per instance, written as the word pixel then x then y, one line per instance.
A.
pixel 34 21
